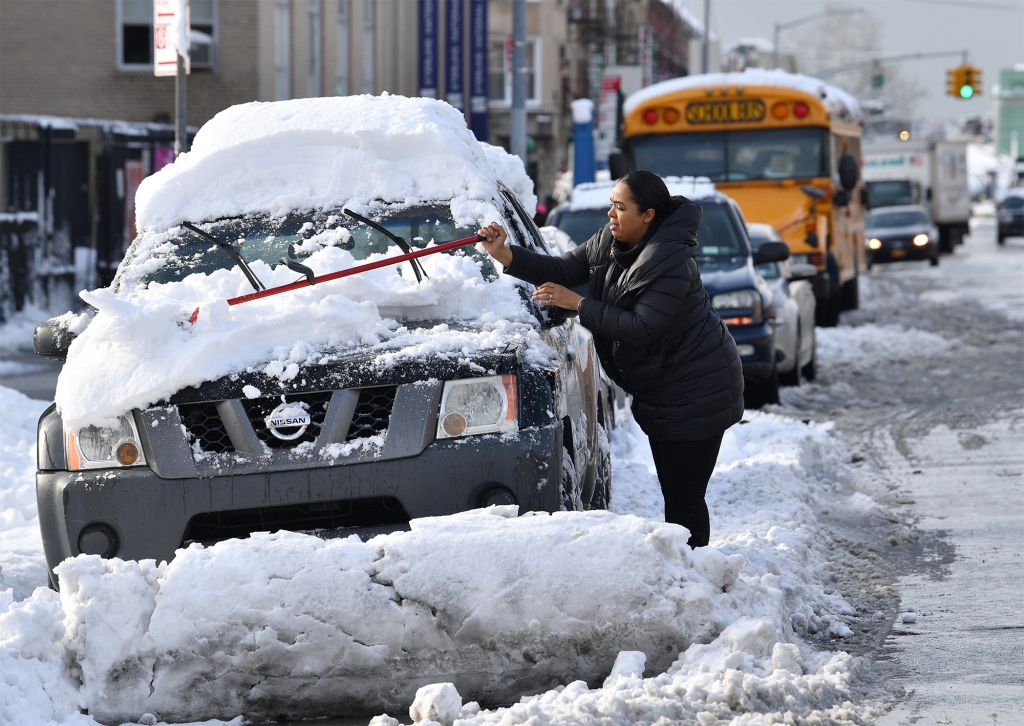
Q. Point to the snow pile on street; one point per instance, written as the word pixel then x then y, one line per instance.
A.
pixel 17 332
pixel 495 604
pixel 22 567
pixel 321 153
pixel 837 101
pixel 870 344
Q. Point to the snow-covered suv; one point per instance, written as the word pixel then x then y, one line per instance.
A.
pixel 200 401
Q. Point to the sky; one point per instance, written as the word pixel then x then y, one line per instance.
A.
pixel 992 31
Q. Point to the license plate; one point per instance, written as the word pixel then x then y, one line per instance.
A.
pixel 899 253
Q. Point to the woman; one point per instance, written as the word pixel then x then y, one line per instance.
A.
pixel 654 330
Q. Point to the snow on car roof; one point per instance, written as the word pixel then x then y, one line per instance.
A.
pixel 838 102
pixel 320 153
pixel 594 195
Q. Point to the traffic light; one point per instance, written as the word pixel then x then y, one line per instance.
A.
pixel 964 81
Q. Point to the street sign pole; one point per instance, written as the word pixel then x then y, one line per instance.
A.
pixel 180 108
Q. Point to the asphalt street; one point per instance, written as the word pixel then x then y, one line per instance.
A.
pixel 947 432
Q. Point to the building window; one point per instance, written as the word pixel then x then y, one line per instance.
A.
pixel 135 34
pixel 499 70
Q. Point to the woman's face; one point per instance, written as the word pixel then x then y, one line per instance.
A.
pixel 628 222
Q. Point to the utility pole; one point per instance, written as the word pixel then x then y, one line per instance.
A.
pixel 707 37
pixel 517 118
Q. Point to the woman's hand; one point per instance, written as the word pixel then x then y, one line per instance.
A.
pixel 494 242
pixel 549 294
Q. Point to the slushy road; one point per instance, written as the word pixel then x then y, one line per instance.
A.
pixel 948 428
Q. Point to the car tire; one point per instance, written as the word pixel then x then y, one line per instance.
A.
pixel 1000 239
pixel 934 260
pixel 945 240
pixel 851 293
pixel 792 378
pixel 757 394
pixel 810 370
pixel 602 496
pixel 569 492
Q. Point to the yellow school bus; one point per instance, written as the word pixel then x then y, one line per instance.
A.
pixel 786 147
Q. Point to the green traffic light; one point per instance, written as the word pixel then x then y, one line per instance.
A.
pixel 966 91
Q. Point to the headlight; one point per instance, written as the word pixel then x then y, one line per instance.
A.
pixel 742 307
pixel 921 240
pixel 101 447
pixel 875 243
pixel 478 406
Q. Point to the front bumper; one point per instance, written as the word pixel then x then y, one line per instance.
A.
pixel 1014 228
pixel 759 365
pixel 150 515
pixel 894 252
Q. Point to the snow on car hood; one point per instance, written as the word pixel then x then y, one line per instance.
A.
pixel 140 348
pixel 359 152
pixel 315 153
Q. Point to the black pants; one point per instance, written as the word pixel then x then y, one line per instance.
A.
pixel 684 468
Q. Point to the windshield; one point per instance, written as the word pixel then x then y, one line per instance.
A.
pixel 770 270
pixel 910 218
pixel 718 236
pixel 890 193
pixel 584 224
pixel 300 235
pixel 1013 203
pixel 735 155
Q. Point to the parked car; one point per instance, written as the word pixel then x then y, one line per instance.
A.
pixel 1010 215
pixel 794 309
pixel 345 444
pixel 901 233
pixel 727 267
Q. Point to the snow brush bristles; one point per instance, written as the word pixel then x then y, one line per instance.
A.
pixel 311 280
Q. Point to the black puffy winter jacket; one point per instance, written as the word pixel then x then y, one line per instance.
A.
pixel 654 329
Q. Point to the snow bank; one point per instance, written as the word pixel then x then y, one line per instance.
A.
pixel 494 604
pixel 320 153
pixel 22 566
pixel 871 344
pixel 837 101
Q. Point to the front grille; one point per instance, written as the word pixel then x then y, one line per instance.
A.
pixel 316 517
pixel 257 409
pixel 205 427
pixel 373 412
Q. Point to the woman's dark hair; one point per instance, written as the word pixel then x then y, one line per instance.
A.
pixel 649 192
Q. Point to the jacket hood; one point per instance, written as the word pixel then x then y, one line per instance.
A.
pixel 673 242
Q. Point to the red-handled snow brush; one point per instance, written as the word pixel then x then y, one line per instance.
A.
pixel 312 280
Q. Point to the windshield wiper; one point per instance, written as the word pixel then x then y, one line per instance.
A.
pixel 232 253
pixel 419 271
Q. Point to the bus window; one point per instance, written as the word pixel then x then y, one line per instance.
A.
pixel 777 154
pixel 701 154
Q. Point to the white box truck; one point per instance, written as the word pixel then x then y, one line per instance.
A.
pixel 932 173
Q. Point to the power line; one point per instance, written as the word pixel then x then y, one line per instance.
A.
pixel 969 4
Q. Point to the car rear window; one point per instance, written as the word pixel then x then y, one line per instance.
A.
pixel 1013 203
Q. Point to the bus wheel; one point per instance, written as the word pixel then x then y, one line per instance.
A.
pixel 851 294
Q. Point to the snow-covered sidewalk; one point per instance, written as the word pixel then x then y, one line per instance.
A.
pixel 497 604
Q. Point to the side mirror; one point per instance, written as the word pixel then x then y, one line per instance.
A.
pixel 771 252
pixel 617 165
pixel 813 192
pixel 52 339
pixel 849 171
pixel 802 271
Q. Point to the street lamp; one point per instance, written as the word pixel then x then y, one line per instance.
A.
pixel 803 21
